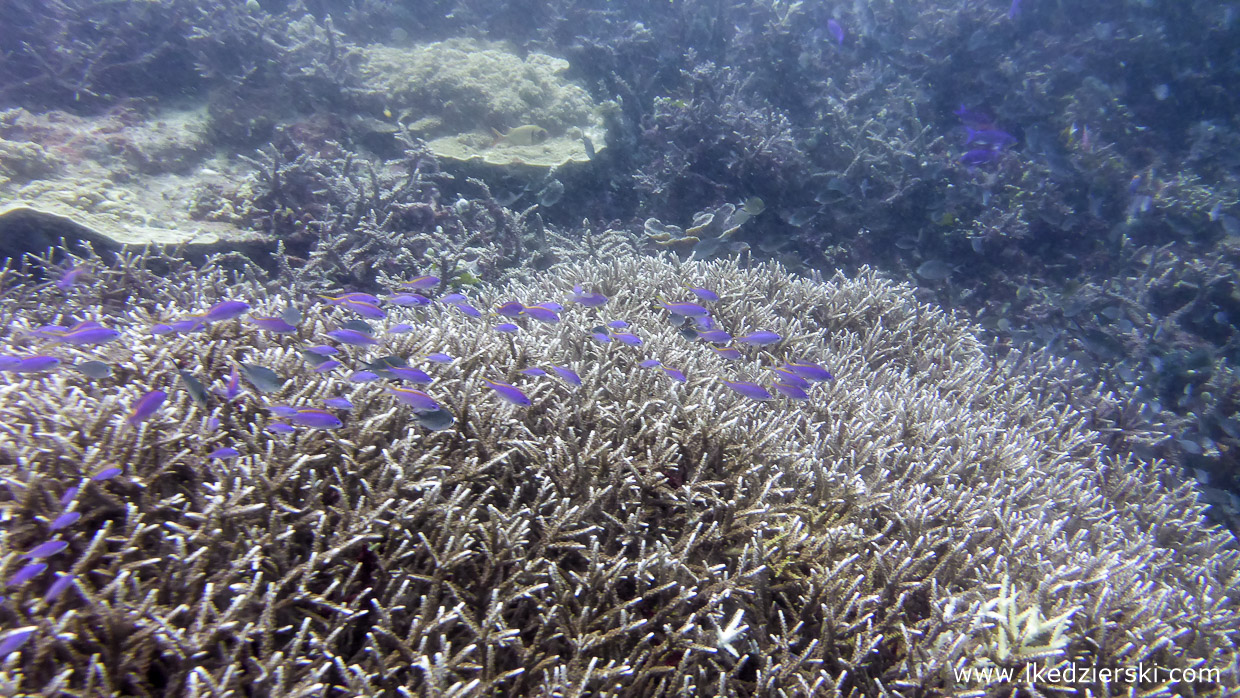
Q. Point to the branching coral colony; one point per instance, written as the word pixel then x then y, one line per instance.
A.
pixel 630 535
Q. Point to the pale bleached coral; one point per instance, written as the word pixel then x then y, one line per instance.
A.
pixel 610 539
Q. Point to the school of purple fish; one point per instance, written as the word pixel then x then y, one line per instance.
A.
pixel 695 322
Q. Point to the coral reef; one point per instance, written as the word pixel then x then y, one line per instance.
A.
pixel 459 93
pixel 631 535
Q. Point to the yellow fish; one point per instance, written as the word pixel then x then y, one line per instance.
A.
pixel 528 134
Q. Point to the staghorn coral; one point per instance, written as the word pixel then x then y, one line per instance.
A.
pixel 631 536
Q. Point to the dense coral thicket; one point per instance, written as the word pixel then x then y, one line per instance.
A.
pixel 929 509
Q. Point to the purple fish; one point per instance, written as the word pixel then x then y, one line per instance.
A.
pixel 785 375
pixel 105 474
pixel 972 117
pixel 627 338
pixel 675 375
pixel 27 573
pixel 400 328
pixel 234 385
pixel 650 363
pixel 65 520
pixel 58 587
pixel 685 309
pixel 730 353
pixel 760 338
pixel 352 296
pixel 364 308
pixel 193 323
pixel 532 371
pixel 161 328
pixel 329 365
pixel 467 309
pixel 323 350
pixel 617 324
pixel 70 277
pixel 407 373
pixel 705 294
pixel 715 336
pixel 280 428
pixel 589 300
pixel 340 403
pixel 510 309
pixel 47 549
pixel 506 327
pixel 15 639
pixel 33 364
pixel 569 375
pixel 421 283
pixel 748 389
pixel 416 399
pixel 224 453
pixel 226 310
pixel 314 418
pixel 363 377
pixel 601 337
pixel 439 358
pixel 837 32
pixel 509 393
pixel 409 299
pixel 80 334
pixel 792 392
pixel 541 313
pixel 273 324
pixel 146 406
pixel 352 337
pixel 1014 10
pixel 454 298
pixel 68 496
pixel 809 371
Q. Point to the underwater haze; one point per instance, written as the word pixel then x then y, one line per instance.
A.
pixel 594 348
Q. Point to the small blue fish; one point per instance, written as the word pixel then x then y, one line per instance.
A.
pixel 364 308
pixel 809 371
pixel 509 393
pixel 408 373
pixel 705 294
pixel 15 639
pixel 70 277
pixel 27 573
pixel 510 309
pixel 421 283
pixel 315 418
pixel 224 453
pixel 273 324
pixel 439 358
pixel 146 406
pixel 65 520
pixel 542 314
pixel 226 310
pixel 353 296
pixel 650 363
pixel 416 399
pixel 837 32
pixel 409 299
pixel 29 364
pixel 675 375
pixel 363 377
pixel 569 375
pixel 991 138
pixel 627 338
pixel 193 323
pixel 792 392
pixel 400 328
pixel 760 338
pixel 506 327
pixel 730 353
pixel 785 375
pixel 589 300
pixel 467 309
pixel 329 365
pixel 340 403
pixel 532 371
pixel 715 336
pixel 617 324
pixel 748 389
pixel 262 378
pixel 58 587
pixel 82 334
pixel 280 428
pixel 105 474
pixel 45 550
pixel 454 298
pixel 323 350
pixel 352 338
pixel 690 310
